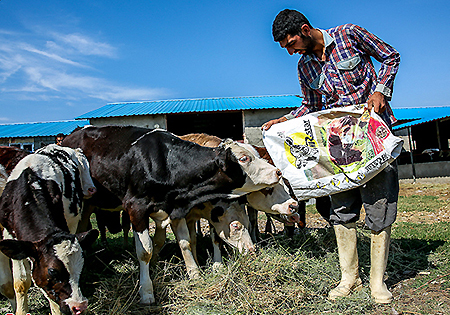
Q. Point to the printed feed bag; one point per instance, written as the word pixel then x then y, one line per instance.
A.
pixel 330 151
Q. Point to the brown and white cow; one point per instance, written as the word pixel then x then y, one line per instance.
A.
pixel 39 208
pixel 156 174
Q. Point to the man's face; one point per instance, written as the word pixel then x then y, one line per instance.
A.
pixel 297 44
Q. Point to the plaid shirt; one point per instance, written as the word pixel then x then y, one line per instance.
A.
pixel 348 76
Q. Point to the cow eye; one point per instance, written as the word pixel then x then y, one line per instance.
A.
pixel 244 159
pixel 53 273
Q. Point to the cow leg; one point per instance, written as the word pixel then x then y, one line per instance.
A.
pixel 126 224
pixel 54 307
pixel 83 224
pixel 253 218
pixel 181 231
pixel 158 239
pixel 193 235
pixel 217 243
pixel 22 282
pixel 6 280
pixel 101 224
pixel 144 250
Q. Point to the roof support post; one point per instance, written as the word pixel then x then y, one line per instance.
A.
pixel 411 154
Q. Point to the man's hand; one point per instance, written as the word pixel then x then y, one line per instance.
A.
pixel 269 124
pixel 377 101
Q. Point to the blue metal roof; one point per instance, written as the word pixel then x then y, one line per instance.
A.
pixel 409 116
pixel 40 129
pixel 194 106
pixel 419 115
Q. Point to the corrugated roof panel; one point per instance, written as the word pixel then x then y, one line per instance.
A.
pixel 420 115
pixel 40 129
pixel 194 105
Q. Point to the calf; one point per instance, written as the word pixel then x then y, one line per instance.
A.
pixel 38 211
pixel 156 174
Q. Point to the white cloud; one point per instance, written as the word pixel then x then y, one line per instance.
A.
pixel 86 45
pixel 53 65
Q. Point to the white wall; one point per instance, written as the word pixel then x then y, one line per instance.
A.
pixel 253 120
pixel 146 121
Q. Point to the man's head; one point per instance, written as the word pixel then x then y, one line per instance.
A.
pixel 293 31
pixel 288 22
pixel 59 138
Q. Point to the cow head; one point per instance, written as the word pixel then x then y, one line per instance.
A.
pixel 260 174
pixel 274 200
pixel 231 223
pixel 85 176
pixel 57 262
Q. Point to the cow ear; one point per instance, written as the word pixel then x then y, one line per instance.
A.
pixel 88 238
pixel 18 249
pixel 216 213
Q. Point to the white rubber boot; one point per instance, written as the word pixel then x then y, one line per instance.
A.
pixel 348 260
pixel 379 250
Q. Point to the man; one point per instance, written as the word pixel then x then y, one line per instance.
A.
pixel 59 138
pixel 335 69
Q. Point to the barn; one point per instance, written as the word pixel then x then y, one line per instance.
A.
pixel 225 117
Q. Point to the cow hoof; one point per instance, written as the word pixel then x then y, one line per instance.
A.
pixel 194 274
pixel 218 267
pixel 147 299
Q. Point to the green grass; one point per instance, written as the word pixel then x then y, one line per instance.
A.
pixel 419 203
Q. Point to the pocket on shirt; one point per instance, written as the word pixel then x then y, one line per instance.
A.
pixel 349 63
pixel 351 71
pixel 318 82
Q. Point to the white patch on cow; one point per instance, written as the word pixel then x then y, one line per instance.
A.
pixel 162 217
pixel 35 185
pixel 278 201
pixel 85 175
pixel 71 255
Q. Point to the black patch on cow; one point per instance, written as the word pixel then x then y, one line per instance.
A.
pixel 217 212
pixel 31 207
pixel 64 161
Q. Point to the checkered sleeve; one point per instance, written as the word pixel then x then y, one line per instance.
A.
pixel 383 53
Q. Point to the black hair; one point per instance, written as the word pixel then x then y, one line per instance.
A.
pixel 288 22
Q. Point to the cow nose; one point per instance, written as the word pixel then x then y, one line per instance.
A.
pixel 92 191
pixel 79 308
pixel 293 207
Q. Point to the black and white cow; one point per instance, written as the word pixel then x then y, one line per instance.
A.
pixel 156 174
pixel 39 209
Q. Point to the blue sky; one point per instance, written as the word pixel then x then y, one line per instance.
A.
pixel 61 59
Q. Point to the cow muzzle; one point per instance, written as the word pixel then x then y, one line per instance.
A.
pixel 90 192
pixel 79 308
